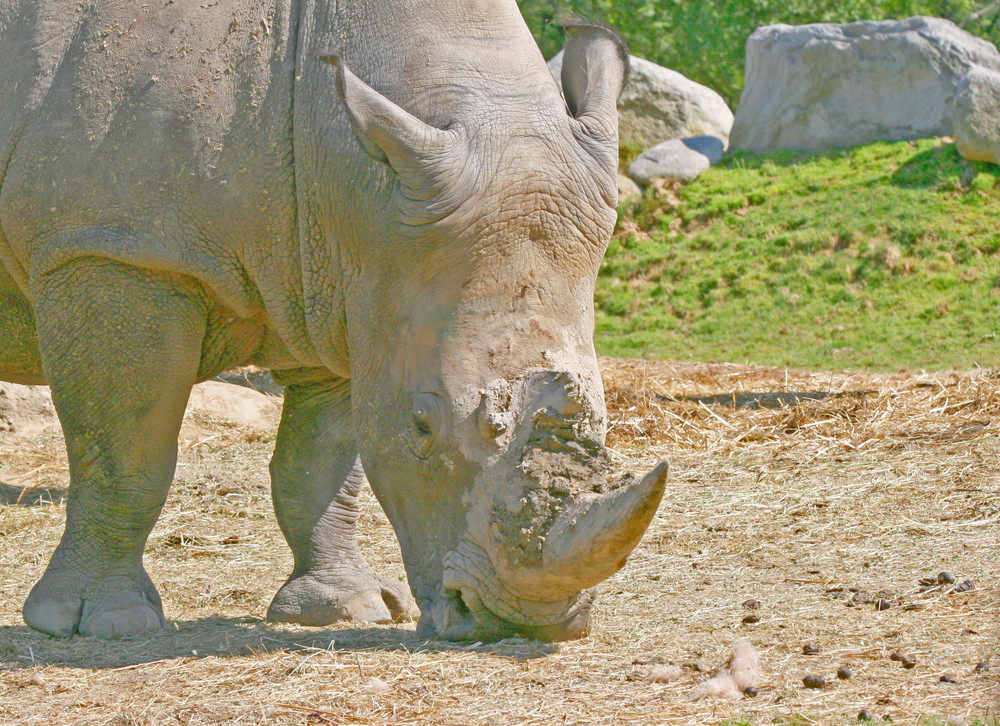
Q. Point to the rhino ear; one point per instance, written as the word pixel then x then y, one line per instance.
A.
pixel 387 132
pixel 594 71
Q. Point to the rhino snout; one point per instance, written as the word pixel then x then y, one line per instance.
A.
pixel 544 523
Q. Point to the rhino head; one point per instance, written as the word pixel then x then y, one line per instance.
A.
pixel 477 398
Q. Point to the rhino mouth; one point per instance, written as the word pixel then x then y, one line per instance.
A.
pixel 476 604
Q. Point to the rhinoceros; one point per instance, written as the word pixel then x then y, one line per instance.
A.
pixel 390 205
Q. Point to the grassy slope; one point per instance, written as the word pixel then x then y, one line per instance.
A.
pixel 881 256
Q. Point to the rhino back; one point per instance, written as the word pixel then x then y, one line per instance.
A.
pixel 168 126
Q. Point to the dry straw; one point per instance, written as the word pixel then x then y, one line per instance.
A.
pixel 797 502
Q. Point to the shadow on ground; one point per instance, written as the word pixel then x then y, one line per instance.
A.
pixel 934 168
pixel 29 497
pixel 219 637
pixel 766 399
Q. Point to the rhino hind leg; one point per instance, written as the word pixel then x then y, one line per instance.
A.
pixel 316 478
pixel 121 349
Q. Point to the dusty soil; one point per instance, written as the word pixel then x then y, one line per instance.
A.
pixel 797 501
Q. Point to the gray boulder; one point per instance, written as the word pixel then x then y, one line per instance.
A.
pixel 627 188
pixel 977 116
pixel 815 87
pixel 680 159
pixel 658 104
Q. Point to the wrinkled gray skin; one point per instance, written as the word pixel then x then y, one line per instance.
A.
pixel 188 186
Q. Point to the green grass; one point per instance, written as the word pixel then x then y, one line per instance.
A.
pixel 883 256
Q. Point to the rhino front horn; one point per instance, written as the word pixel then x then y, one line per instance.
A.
pixel 590 539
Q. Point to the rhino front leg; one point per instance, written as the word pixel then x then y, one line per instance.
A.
pixel 120 348
pixel 315 481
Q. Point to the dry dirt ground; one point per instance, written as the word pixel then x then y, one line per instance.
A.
pixel 795 499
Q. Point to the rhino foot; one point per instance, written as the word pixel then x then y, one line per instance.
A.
pixel 323 599
pixel 110 608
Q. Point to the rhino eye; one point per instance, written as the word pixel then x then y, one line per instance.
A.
pixel 429 418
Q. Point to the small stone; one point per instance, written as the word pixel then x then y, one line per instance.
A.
pixel 945 578
pixel 751 619
pixel 810 649
pixel 751 604
pixel 863 715
pixel 983 666
pixel 883 605
pixel 949 678
pixel 813 681
pixel 844 673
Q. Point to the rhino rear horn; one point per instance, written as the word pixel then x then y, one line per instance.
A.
pixel 594 71
pixel 393 136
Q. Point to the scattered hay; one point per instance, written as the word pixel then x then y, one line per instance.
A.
pixel 811 496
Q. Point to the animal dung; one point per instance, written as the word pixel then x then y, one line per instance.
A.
pixel 982 666
pixel 844 673
pixel 907 661
pixel 948 678
pixel 810 649
pixel 741 672
pixel 864 715
pixel 883 604
pixel 751 604
pixel 751 619
pixel 814 681
pixel 944 580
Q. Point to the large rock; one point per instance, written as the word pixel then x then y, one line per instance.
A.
pixel 237 404
pixel 627 189
pixel 815 87
pixel 680 159
pixel 659 104
pixel 25 409
pixel 977 116
pixel 28 409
